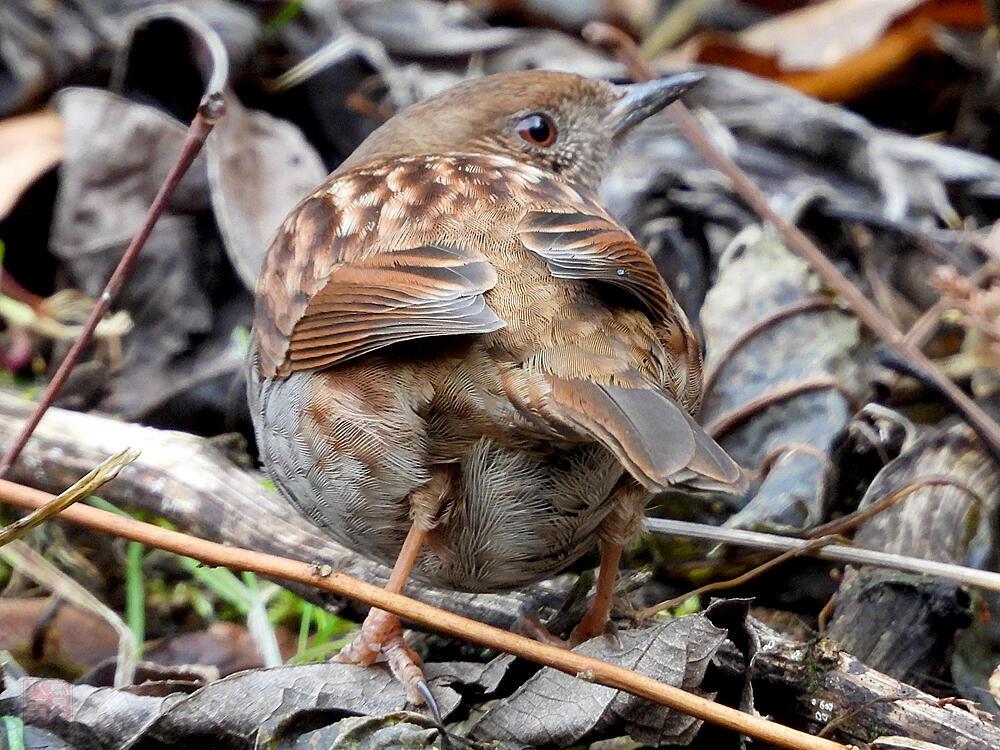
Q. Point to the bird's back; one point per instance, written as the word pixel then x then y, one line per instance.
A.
pixel 479 336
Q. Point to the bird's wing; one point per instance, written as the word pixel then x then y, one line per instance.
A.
pixel 324 296
pixel 392 297
pixel 649 429
pixel 581 242
pixel 388 298
pixel 578 244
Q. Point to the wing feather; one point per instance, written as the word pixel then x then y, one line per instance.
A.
pixel 648 428
pixel 578 242
pixel 581 245
pixel 392 297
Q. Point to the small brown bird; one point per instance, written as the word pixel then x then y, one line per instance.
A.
pixel 463 366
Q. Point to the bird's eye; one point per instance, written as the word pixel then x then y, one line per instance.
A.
pixel 537 129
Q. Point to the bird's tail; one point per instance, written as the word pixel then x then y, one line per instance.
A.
pixel 655 439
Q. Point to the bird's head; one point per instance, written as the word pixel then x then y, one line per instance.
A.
pixel 557 121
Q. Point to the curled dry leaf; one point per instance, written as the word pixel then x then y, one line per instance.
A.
pixel 224 645
pixel 904 624
pixel 44 44
pixel 41 631
pixel 397 731
pixel 754 355
pixel 823 34
pixel 416 28
pixel 30 145
pixel 253 708
pixel 117 153
pixel 837 50
pixel 806 154
pixel 259 167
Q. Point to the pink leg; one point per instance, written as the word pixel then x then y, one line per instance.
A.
pixel 382 632
pixel 596 618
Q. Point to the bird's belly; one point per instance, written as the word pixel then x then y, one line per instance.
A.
pixel 512 516
pixel 511 521
pixel 517 517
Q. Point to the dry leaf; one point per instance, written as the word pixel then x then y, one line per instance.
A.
pixel 30 145
pixel 224 645
pixel 556 709
pixel 837 50
pixel 754 281
pixel 248 709
pixel 66 638
pixel 823 35
pixel 259 167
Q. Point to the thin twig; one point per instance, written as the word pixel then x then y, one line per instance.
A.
pixel 920 332
pixel 431 617
pixel 789 450
pixel 210 110
pixel 809 548
pixel 983 424
pixel 812 304
pixel 851 520
pixel 818 538
pixel 836 552
pixel 740 414
pixel 86 485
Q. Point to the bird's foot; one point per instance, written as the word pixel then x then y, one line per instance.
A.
pixel 588 627
pixel 593 624
pixel 382 634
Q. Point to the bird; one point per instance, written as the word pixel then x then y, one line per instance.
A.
pixel 462 366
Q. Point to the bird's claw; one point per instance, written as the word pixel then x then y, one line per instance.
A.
pixel 382 634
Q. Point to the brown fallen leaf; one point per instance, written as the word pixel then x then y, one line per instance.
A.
pixel 837 50
pixel 822 35
pixel 259 167
pixel 41 631
pixel 224 645
pixel 557 709
pixel 30 145
pixel 45 635
pixel 256 708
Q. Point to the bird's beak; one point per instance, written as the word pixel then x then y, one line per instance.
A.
pixel 640 100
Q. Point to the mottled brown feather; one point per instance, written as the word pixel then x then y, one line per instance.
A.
pixel 377 208
pixel 579 245
pixel 393 297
